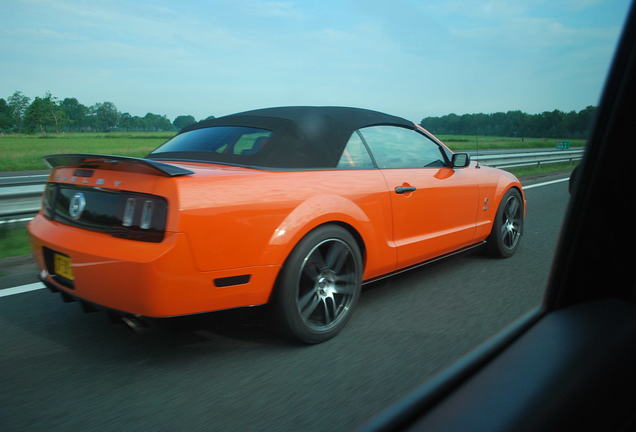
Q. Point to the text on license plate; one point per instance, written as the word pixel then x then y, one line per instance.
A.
pixel 62 266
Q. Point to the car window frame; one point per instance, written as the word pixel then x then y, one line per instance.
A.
pixel 366 146
pixel 448 153
pixel 441 148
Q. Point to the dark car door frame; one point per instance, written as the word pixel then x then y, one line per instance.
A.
pixel 569 364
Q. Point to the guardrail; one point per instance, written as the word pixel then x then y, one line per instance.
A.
pixel 19 203
pixel 20 195
pixel 512 160
pixel 23 180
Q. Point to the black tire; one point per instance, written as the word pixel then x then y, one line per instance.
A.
pixel 507 228
pixel 319 285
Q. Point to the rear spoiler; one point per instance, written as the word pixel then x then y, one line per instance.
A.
pixel 116 163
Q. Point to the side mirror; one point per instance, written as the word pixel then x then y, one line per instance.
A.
pixel 460 160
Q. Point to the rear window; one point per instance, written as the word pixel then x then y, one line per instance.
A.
pixel 248 146
pixel 221 140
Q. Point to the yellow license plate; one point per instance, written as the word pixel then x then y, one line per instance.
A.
pixel 62 266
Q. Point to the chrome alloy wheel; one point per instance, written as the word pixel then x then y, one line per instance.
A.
pixel 512 222
pixel 327 284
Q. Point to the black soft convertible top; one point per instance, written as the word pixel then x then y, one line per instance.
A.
pixel 302 136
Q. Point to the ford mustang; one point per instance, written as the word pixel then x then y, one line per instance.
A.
pixel 292 206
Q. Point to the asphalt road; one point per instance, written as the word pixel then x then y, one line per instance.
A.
pixel 63 370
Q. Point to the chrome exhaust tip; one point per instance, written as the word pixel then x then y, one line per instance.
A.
pixel 134 323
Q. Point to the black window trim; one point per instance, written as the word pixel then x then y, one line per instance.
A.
pixel 257 167
pixel 366 146
pixel 445 150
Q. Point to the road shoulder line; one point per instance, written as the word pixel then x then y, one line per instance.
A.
pixel 21 289
pixel 546 183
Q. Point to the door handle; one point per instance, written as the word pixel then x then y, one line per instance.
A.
pixel 404 189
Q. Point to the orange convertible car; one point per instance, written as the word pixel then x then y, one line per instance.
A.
pixel 293 206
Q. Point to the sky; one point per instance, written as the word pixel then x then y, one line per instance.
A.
pixel 408 58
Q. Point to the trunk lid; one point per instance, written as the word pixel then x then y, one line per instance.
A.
pixel 133 198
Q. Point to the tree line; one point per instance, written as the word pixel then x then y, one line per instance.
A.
pixel 549 124
pixel 46 114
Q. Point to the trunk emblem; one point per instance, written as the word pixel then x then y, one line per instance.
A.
pixel 77 205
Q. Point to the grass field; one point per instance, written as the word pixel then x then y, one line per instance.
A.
pixel 14 242
pixel 25 152
pixel 529 171
pixel 469 142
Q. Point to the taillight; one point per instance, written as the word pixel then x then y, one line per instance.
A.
pixel 129 212
pixel 48 200
pixel 146 214
pixel 142 216
pixel 130 215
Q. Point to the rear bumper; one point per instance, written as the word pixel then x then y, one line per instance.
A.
pixel 141 278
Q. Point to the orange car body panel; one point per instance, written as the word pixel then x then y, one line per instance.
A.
pixel 226 221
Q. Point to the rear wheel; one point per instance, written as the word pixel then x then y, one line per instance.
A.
pixel 508 226
pixel 319 285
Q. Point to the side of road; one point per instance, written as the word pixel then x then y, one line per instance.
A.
pixel 21 270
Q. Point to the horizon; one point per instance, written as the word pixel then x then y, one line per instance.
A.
pixel 62 97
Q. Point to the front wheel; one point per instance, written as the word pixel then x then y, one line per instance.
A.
pixel 508 226
pixel 319 285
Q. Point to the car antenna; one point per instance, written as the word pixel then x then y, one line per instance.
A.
pixel 477 151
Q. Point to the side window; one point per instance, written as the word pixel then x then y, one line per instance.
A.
pixel 355 155
pixel 397 147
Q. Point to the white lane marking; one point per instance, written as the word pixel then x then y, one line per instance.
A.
pixel 38 285
pixel 545 183
pixel 21 289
